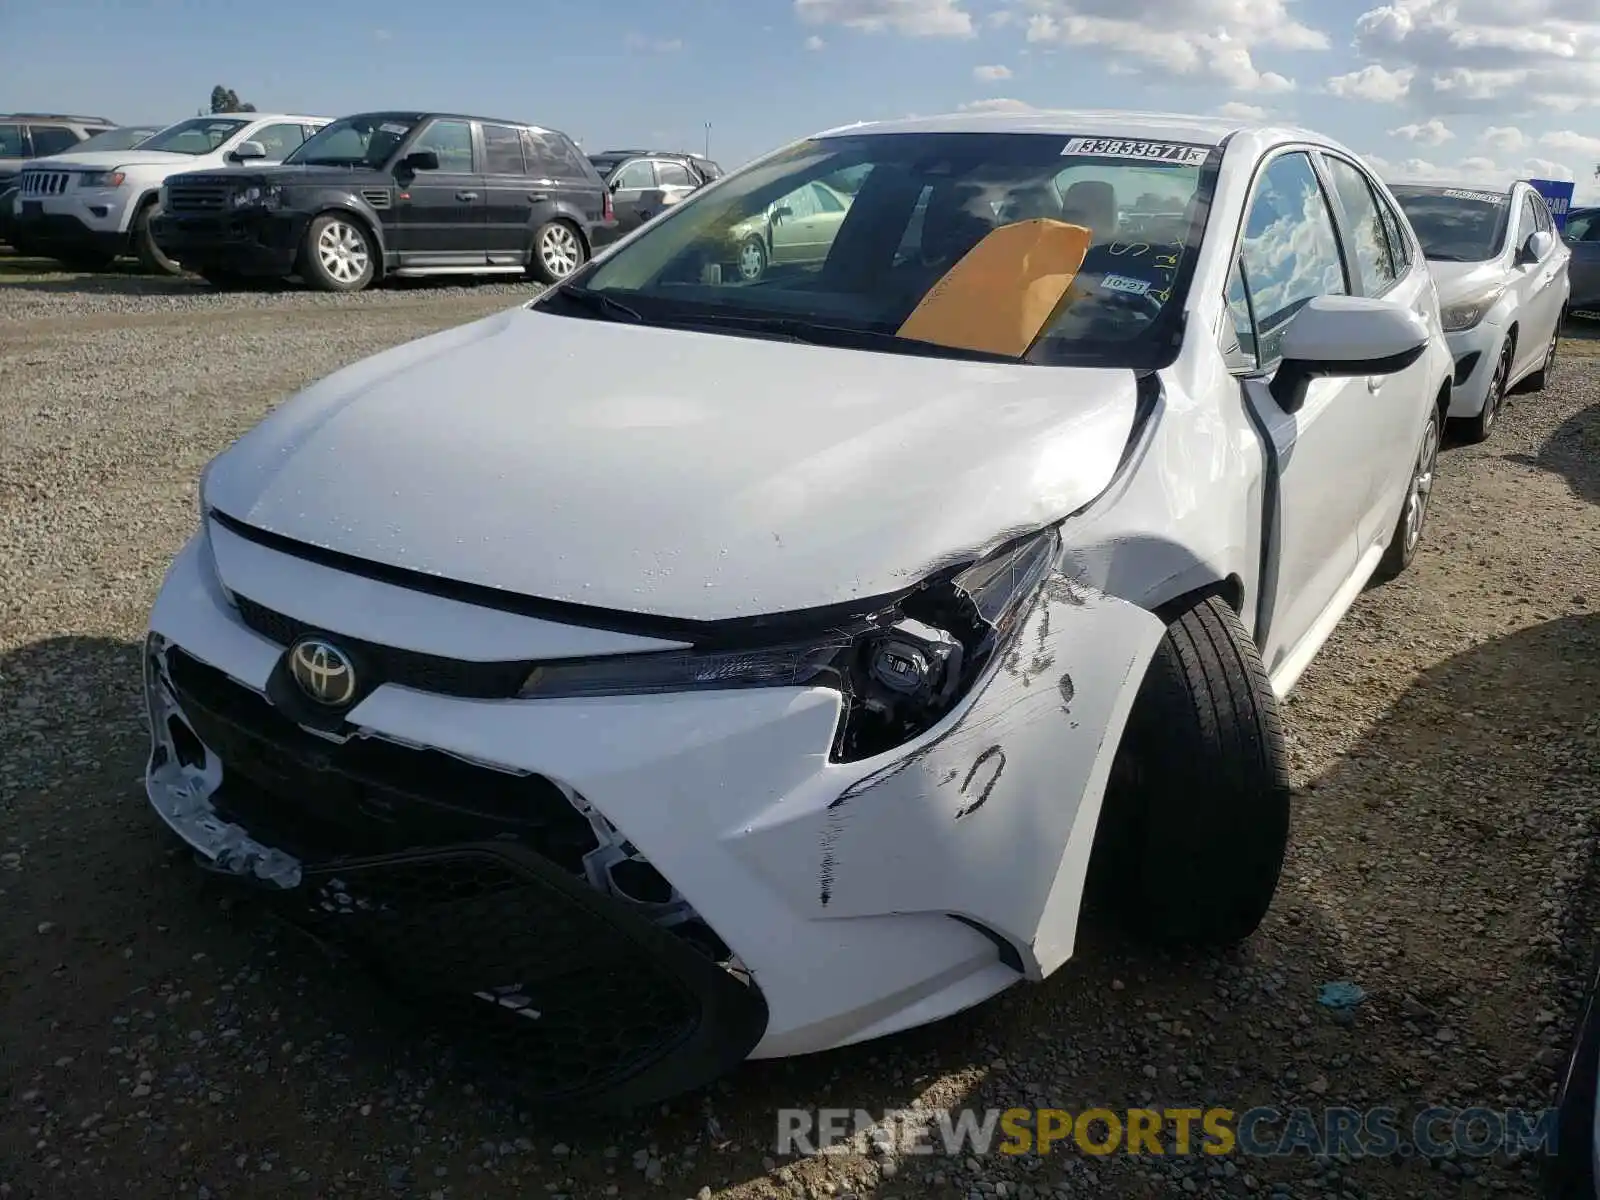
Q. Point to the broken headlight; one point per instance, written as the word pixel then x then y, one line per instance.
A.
pixel 900 669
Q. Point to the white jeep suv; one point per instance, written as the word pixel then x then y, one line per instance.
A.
pixel 86 209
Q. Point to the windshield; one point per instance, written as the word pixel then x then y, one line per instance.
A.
pixel 355 141
pixel 851 233
pixel 1454 225
pixel 200 135
pixel 114 139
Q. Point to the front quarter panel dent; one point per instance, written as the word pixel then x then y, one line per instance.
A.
pixel 992 817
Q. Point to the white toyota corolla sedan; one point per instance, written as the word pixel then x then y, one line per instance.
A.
pixel 682 668
pixel 1503 287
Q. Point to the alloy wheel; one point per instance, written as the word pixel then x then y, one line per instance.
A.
pixel 342 250
pixel 752 260
pixel 1497 389
pixel 1422 485
pixel 559 251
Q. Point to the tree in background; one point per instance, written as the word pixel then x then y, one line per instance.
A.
pixel 226 100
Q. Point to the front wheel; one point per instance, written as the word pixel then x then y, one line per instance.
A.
pixel 337 255
pixel 1478 428
pixel 1541 378
pixel 557 251
pixel 1407 535
pixel 1196 818
pixel 151 256
pixel 752 261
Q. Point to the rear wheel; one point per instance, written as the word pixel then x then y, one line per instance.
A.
pixel 337 254
pixel 151 256
pixel 1196 820
pixel 557 251
pixel 1407 534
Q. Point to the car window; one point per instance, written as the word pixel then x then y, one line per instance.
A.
pixel 11 143
pixel 280 141
pixel 1399 243
pixel 1527 223
pixel 1585 228
pixel 1290 252
pixel 799 203
pixel 1369 239
pixel 1541 213
pixel 52 139
pixel 1238 301
pixel 826 201
pixel 569 160
pixel 673 174
pixel 502 150
pixel 452 142
pixel 637 174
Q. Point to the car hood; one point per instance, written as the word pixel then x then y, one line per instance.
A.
pixel 673 473
pixel 109 160
pixel 295 173
pixel 1460 281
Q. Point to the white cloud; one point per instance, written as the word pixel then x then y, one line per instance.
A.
pixel 1374 83
pixel 1572 143
pixel 1504 56
pixel 1235 111
pixel 914 18
pixel 990 74
pixel 1199 41
pixel 815 43
pixel 1504 139
pixel 999 104
pixel 1432 132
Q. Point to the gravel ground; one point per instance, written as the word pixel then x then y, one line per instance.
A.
pixel 160 1040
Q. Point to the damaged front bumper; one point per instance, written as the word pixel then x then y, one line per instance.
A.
pixel 839 901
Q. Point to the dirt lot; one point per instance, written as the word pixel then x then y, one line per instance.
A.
pixel 158 1040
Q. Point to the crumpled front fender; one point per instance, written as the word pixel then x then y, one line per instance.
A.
pixel 991 816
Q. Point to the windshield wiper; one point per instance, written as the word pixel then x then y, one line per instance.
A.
pixel 819 333
pixel 601 304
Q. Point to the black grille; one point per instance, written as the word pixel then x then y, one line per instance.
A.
pixel 202 195
pixel 388 664
pixel 321 800
pixel 43 183
pixel 377 197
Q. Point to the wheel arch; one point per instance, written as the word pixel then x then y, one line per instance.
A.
pixel 567 213
pixel 344 207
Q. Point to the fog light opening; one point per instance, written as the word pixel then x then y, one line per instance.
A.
pixel 191 751
pixel 638 880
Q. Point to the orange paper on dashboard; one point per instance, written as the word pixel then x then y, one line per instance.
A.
pixel 1004 290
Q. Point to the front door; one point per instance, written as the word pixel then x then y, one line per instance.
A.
pixel 1289 255
pixel 440 217
pixel 1583 240
pixel 805 233
pixel 635 198
pixel 1531 281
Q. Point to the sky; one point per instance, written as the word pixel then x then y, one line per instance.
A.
pixel 1475 91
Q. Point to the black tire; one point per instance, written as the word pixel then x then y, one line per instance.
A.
pixel 337 254
pixel 751 263
pixel 151 256
pixel 1540 379
pixel 1405 539
pixel 1478 428
pixel 558 250
pixel 1196 818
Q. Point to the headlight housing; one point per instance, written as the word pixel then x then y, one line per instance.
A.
pixel 1469 310
pixel 900 670
pixel 257 195
pixel 102 179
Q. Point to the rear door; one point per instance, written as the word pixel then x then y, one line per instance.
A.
pixel 440 216
pixel 675 180
pixel 634 196
pixel 1395 407
pixel 513 189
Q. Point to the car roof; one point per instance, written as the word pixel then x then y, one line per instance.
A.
pixel 416 114
pixel 63 118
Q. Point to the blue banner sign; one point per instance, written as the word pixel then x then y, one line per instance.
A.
pixel 1558 195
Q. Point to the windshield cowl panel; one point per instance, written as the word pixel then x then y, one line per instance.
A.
pixel 1073 250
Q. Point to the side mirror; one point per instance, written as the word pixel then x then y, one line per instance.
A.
pixel 614 185
pixel 245 151
pixel 1538 245
pixel 421 160
pixel 782 211
pixel 1345 337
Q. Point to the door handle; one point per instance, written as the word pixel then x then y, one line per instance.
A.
pixel 538 197
pixel 1374 383
pixel 466 195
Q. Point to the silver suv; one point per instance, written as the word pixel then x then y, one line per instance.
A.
pixel 39 135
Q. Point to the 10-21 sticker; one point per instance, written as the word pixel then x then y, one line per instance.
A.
pixel 1166 152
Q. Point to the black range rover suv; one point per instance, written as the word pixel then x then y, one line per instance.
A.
pixel 394 194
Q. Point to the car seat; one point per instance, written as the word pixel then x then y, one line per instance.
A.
pixel 1092 203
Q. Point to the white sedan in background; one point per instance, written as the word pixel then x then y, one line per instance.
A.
pixel 1503 290
pixel 777 686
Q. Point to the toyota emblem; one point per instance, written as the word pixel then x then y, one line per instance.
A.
pixel 323 672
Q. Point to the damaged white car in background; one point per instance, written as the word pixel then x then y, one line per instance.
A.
pixel 785 683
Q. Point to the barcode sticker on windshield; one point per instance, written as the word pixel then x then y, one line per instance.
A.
pixel 391 127
pixel 1482 197
pixel 1125 283
pixel 1168 152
